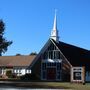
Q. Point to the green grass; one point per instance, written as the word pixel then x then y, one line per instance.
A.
pixel 49 85
pixel 59 85
pixel 56 85
pixel 65 85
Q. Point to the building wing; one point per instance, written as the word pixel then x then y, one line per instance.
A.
pixel 16 60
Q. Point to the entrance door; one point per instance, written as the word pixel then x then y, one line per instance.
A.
pixel 51 73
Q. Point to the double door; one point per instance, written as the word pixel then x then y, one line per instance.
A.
pixel 51 73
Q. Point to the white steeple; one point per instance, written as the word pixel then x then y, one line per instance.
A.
pixel 54 32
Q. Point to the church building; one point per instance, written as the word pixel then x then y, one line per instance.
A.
pixel 57 61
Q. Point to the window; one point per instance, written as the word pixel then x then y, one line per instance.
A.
pixel 43 66
pixel 54 64
pixel 57 55
pixel 77 75
pixel 45 55
pixel 51 64
pixel 52 47
pixel 58 66
pixel 44 75
pixel 27 71
pixel 16 70
pixel 58 75
pixel 58 70
pixel 48 64
pixel 51 53
pixel 19 70
pixel 54 55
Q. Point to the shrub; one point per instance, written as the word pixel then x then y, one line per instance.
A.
pixel 29 77
pixel 9 74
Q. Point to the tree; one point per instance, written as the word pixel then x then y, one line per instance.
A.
pixel 33 53
pixel 18 54
pixel 3 42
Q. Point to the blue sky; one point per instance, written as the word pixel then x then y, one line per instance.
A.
pixel 29 23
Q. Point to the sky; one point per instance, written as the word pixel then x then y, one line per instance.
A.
pixel 28 23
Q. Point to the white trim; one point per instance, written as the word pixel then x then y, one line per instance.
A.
pixel 52 60
pixel 76 69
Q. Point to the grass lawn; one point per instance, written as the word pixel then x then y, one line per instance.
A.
pixel 47 85
pixel 55 85
pixel 58 85
pixel 72 86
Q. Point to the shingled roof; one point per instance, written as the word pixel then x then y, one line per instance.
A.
pixel 76 56
pixel 16 60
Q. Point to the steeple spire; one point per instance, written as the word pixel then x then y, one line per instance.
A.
pixel 54 32
pixel 55 22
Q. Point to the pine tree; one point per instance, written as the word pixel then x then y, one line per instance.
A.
pixel 3 42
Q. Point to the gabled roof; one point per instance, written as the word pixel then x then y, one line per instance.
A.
pixel 45 47
pixel 16 60
pixel 41 51
pixel 76 56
